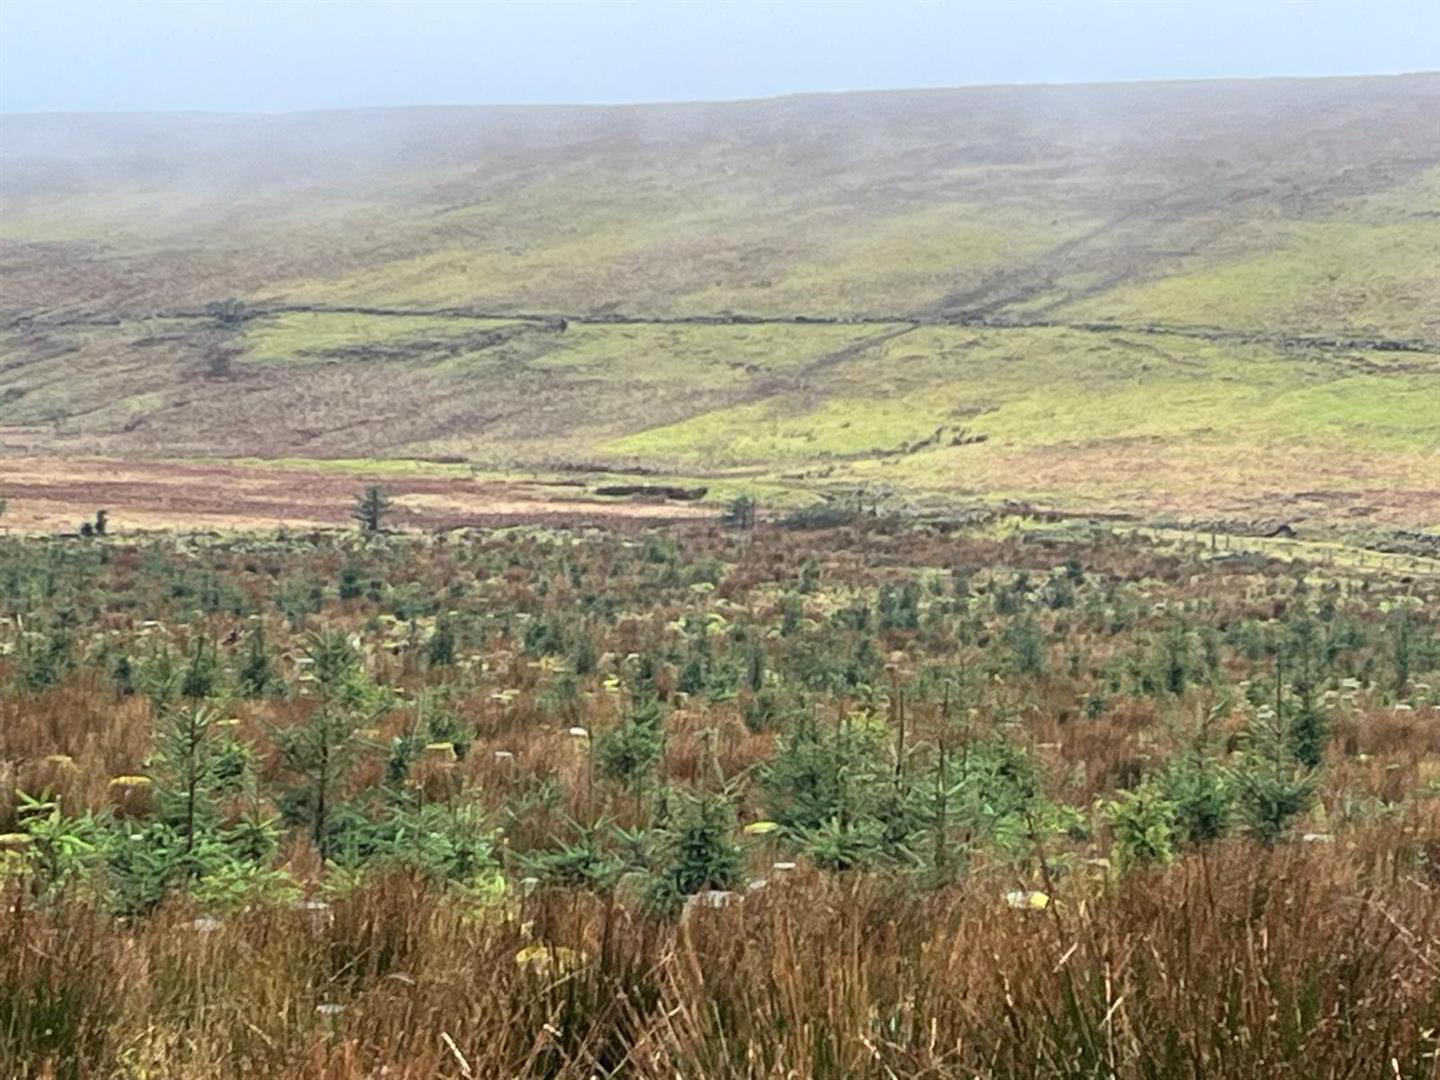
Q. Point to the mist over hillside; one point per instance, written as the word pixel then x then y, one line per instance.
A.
pixel 1229 291
pixel 1086 201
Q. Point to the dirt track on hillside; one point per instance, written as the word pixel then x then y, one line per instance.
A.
pixel 55 495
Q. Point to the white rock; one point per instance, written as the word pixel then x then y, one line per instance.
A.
pixel 711 898
pixel 318 912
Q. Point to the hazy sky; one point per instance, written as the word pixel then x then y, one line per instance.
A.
pixel 311 54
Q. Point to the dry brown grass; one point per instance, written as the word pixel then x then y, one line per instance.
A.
pixel 1247 963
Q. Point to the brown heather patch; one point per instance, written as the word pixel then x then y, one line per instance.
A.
pixel 55 494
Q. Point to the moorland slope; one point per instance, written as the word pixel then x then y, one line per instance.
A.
pixel 1208 295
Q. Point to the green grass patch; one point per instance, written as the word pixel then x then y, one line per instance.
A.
pixel 290 336
pixel 1356 277
pixel 696 355
pixel 1040 388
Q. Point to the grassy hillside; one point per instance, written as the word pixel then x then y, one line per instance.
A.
pixel 1314 201
pixel 1080 418
pixel 1203 295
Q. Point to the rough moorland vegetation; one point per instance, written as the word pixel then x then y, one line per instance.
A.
pixel 1210 296
pixel 1295 205
pixel 847 798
